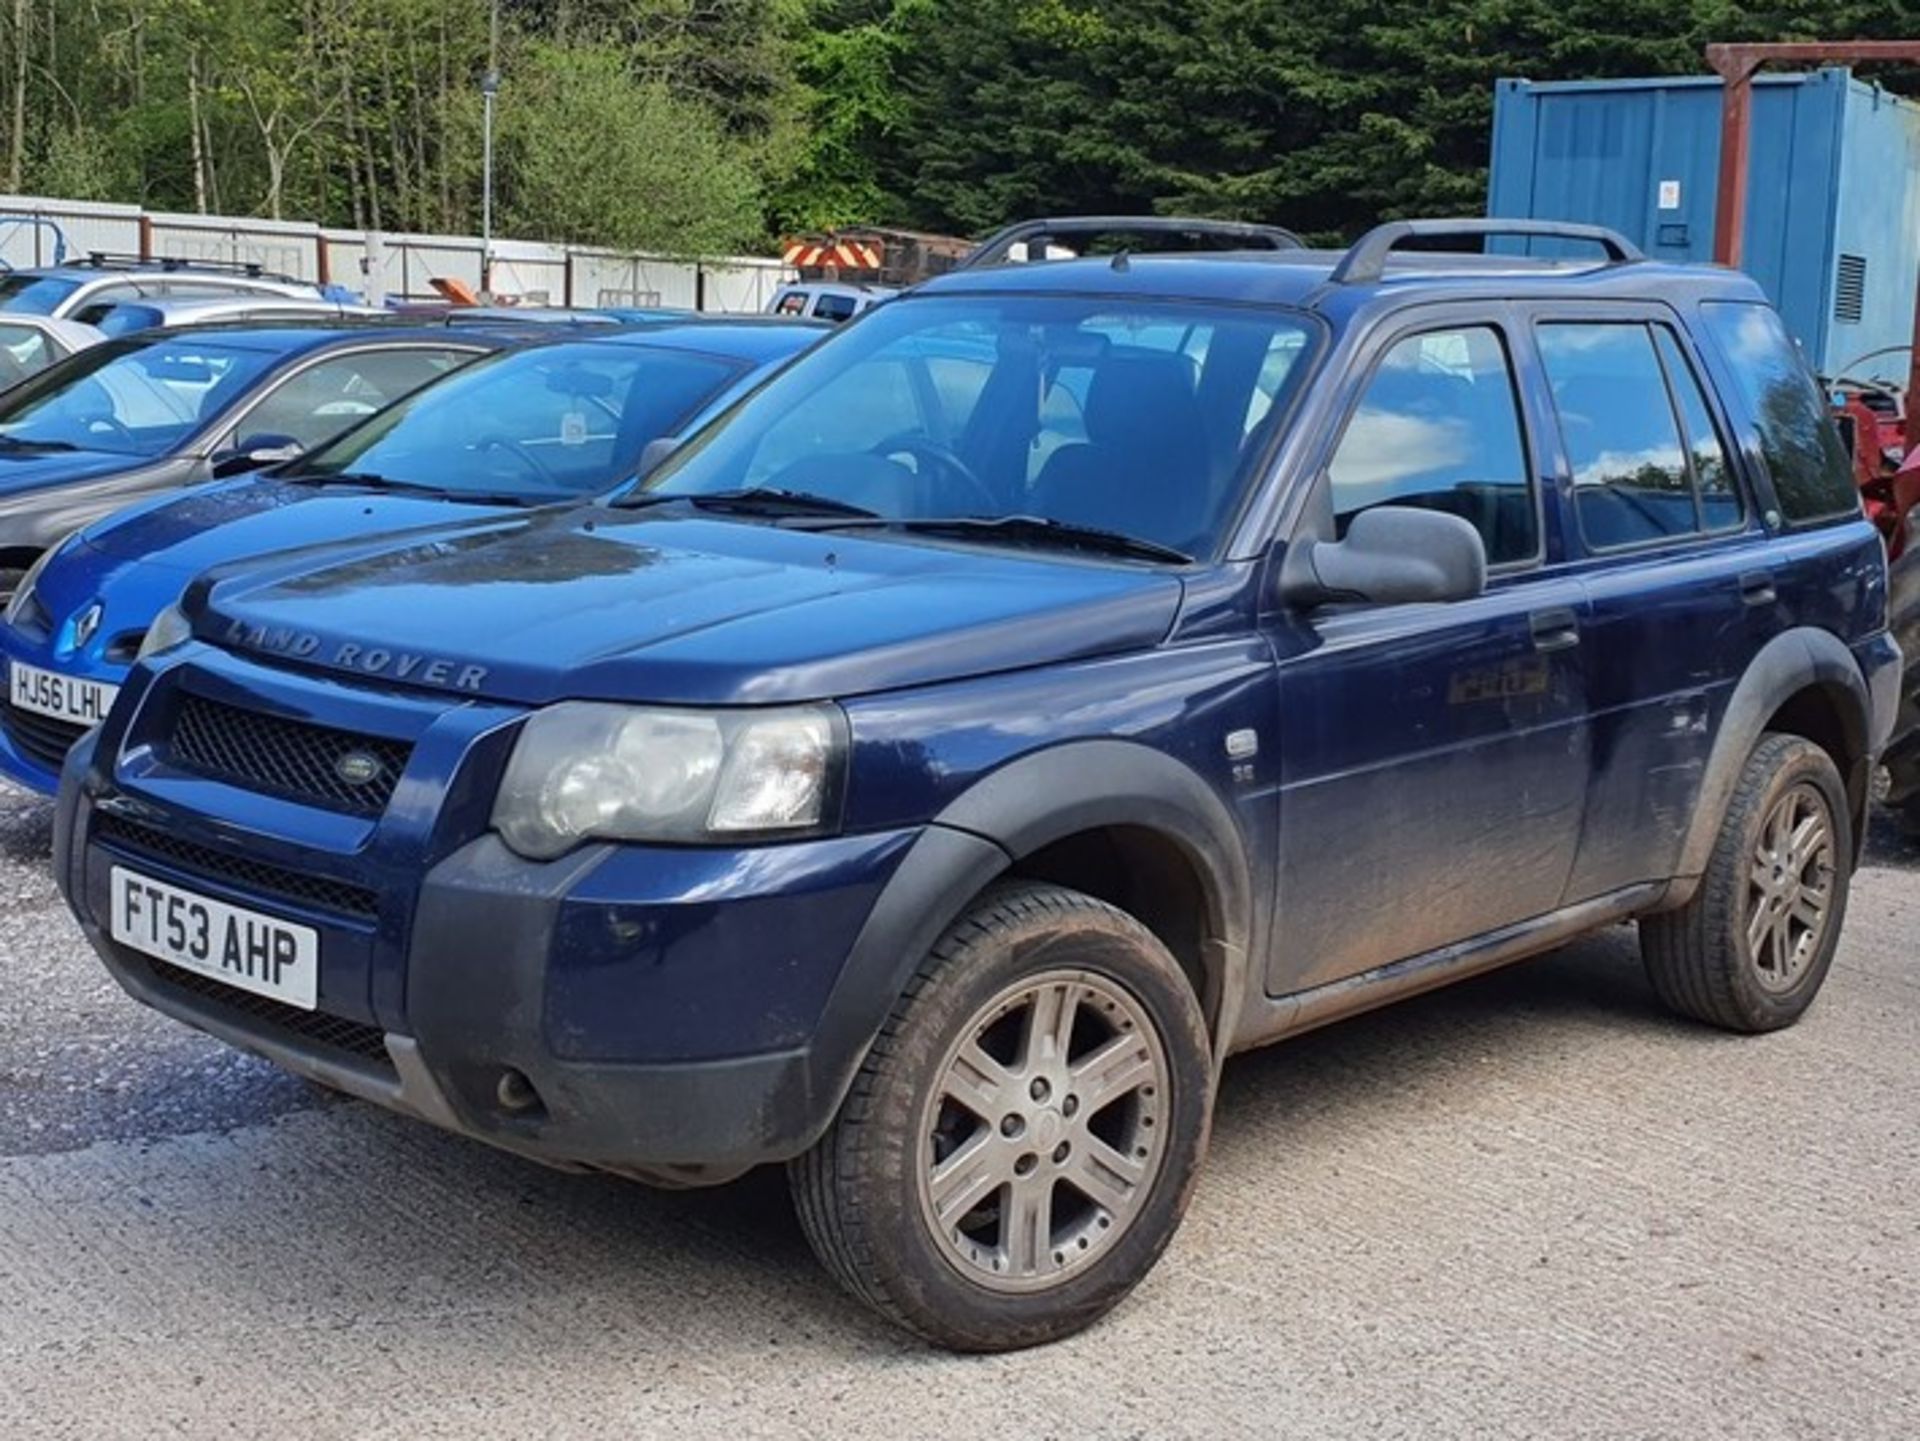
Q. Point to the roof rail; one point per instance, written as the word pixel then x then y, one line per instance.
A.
pixel 995 249
pixel 251 269
pixel 1366 261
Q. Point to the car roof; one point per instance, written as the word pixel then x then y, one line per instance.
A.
pixel 526 315
pixel 750 338
pixel 299 337
pixel 1304 279
pixel 190 305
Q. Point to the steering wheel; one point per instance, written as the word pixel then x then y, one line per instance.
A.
pixel 107 422
pixel 515 449
pixel 941 473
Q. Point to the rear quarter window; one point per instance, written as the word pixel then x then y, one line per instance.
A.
pixel 1812 478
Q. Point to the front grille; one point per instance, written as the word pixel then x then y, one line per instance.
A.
pixel 219 1001
pixel 248 875
pixel 40 738
pixel 285 757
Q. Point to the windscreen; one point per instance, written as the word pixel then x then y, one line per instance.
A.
pixel 553 422
pixel 1136 417
pixel 140 396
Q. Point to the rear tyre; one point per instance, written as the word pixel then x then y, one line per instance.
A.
pixel 1750 950
pixel 1022 1140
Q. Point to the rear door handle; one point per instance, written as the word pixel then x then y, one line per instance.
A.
pixel 1756 588
pixel 1556 629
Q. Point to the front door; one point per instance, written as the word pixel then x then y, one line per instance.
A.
pixel 1434 757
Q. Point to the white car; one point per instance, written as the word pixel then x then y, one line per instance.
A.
pixel 30 343
pixel 829 300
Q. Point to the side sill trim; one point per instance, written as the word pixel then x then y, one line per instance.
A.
pixel 1273 1018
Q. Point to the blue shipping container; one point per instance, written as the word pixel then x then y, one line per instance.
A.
pixel 1833 199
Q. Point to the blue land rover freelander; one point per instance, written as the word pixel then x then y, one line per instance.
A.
pixel 1060 679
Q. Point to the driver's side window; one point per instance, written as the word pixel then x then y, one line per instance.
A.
pixel 1438 427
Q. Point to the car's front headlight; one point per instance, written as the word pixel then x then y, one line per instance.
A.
pixel 583 770
pixel 22 595
pixel 169 629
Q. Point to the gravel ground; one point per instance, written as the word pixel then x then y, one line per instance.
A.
pixel 1530 1206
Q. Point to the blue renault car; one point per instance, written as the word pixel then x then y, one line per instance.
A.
pixel 150 413
pixel 552 422
pixel 1058 680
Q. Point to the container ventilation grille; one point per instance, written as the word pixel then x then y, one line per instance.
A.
pixel 1850 290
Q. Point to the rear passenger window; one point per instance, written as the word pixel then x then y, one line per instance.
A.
pixel 1438 428
pixel 1635 453
pixel 1812 477
pixel 1720 507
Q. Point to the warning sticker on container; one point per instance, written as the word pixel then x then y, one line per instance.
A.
pixel 1669 194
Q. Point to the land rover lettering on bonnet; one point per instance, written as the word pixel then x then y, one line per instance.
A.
pixel 364 657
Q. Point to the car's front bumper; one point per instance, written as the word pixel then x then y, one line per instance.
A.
pixel 674 1013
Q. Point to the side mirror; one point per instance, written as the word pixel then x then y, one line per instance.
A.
pixel 1392 555
pixel 254 452
pixel 656 451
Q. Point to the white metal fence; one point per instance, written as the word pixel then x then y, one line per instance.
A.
pixel 381 266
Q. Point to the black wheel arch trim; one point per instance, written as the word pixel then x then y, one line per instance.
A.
pixel 1011 813
pixel 1064 790
pixel 1786 665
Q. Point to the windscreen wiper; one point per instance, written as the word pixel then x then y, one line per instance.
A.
pixel 421 487
pixel 754 500
pixel 1041 530
pixel 8 442
pixel 333 477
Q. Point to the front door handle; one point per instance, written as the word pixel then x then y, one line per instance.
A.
pixel 1757 588
pixel 1556 629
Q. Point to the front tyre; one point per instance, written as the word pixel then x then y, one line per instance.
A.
pixel 1750 950
pixel 1022 1140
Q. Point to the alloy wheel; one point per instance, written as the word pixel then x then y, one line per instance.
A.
pixel 1791 888
pixel 1045 1132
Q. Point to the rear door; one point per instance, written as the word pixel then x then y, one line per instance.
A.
pixel 1675 564
pixel 1435 757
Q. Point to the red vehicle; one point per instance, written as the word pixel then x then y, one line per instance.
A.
pixel 1886 466
pixel 1873 420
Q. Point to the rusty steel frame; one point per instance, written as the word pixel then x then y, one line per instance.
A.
pixel 1736 66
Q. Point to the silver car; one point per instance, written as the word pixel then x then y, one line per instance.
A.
pixel 83 290
pixel 175 311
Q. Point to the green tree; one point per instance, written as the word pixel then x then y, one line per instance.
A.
pixel 594 154
pixel 847 55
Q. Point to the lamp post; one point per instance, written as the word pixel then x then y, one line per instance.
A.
pixel 489 87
